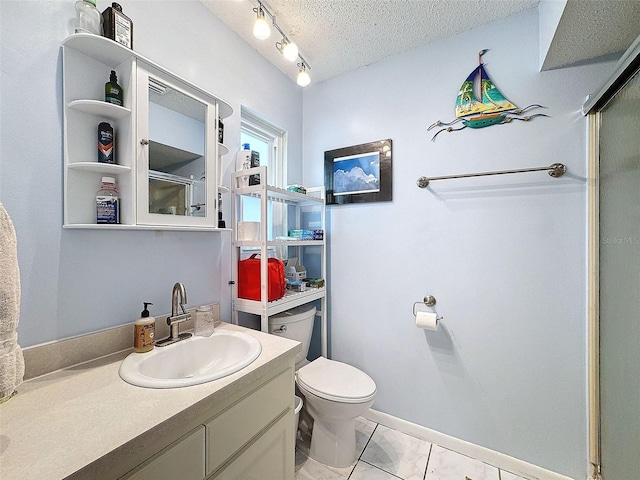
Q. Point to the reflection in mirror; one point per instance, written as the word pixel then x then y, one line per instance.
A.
pixel 177 169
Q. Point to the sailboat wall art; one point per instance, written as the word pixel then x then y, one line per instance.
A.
pixel 480 104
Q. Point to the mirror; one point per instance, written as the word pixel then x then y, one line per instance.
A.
pixel 177 163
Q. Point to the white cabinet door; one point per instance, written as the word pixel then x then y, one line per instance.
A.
pixel 270 457
pixel 177 152
pixel 235 427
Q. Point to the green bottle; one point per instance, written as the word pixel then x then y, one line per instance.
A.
pixel 113 91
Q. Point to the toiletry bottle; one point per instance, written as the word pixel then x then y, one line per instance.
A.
pixel 106 150
pixel 254 162
pixel 144 331
pixel 88 18
pixel 113 91
pixel 108 202
pixel 220 131
pixel 117 26
pixel 243 161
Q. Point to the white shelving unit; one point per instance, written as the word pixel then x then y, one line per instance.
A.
pixel 87 62
pixel 298 209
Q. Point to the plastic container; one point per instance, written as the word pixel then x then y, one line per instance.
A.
pixel 297 418
pixel 88 18
pixel 144 331
pixel 106 144
pixel 203 323
pixel 113 91
pixel 108 202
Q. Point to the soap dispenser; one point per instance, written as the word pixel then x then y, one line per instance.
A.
pixel 144 331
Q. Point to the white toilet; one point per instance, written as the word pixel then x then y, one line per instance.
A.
pixel 335 393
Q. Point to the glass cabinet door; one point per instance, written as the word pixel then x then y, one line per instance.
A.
pixel 177 153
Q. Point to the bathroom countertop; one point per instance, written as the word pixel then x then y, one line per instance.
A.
pixel 63 422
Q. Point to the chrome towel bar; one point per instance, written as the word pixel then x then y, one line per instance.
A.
pixel 555 170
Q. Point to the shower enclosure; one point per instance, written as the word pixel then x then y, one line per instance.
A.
pixel 614 116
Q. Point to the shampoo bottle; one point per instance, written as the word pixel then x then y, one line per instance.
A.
pixel 144 331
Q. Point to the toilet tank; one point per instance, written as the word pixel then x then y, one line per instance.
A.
pixel 296 324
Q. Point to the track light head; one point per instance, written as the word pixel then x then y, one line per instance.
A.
pixel 303 77
pixel 261 29
pixel 289 50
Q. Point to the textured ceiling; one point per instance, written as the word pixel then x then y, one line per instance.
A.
pixel 337 36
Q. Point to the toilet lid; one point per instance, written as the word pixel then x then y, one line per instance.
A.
pixel 336 381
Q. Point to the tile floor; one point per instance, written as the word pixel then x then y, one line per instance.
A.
pixel 387 454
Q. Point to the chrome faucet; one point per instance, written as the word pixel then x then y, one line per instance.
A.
pixel 176 317
pixel 178 290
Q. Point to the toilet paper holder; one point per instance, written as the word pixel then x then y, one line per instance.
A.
pixel 429 301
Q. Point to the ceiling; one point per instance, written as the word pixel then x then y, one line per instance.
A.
pixel 337 36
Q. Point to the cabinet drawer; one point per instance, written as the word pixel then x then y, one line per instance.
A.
pixel 183 459
pixel 237 425
pixel 270 457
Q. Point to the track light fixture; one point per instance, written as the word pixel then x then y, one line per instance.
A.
pixel 289 49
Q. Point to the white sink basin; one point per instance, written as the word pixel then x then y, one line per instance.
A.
pixel 191 361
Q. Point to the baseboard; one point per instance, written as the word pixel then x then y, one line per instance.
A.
pixel 486 455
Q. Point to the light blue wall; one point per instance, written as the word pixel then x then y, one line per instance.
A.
pixel 80 281
pixel 505 257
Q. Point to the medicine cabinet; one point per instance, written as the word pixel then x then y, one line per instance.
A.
pixel 167 153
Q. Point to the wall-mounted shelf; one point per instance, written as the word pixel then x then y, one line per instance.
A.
pixel 98 107
pixel 100 167
pixel 87 61
pixel 95 226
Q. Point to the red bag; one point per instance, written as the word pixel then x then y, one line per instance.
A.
pixel 249 278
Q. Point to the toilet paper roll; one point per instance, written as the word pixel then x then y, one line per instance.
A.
pixel 427 320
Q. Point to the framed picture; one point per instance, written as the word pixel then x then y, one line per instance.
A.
pixel 358 174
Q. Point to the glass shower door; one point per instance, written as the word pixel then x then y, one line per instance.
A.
pixel 619 265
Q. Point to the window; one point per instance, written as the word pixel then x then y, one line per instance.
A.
pixel 270 142
pixel 266 139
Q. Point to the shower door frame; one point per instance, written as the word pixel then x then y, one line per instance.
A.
pixel 626 68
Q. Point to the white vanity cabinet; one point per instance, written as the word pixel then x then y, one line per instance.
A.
pixel 280 211
pixel 162 184
pixel 252 437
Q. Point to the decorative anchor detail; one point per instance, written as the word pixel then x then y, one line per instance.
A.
pixel 485 102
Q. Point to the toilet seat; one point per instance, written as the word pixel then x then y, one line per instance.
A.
pixel 336 381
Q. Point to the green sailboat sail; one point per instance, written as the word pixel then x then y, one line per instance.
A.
pixel 491 99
